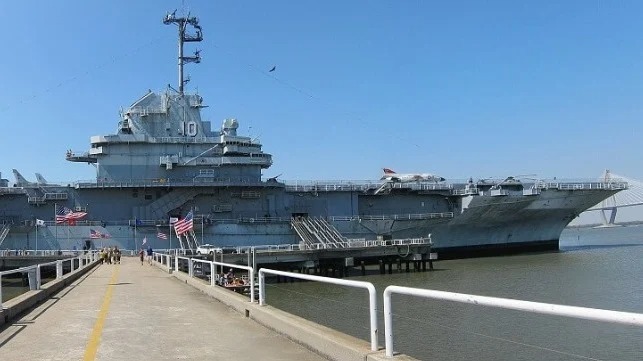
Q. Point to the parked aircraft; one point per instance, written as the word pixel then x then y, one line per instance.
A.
pixel 21 181
pixel 42 181
pixel 392 176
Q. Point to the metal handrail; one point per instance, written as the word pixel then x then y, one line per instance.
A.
pixel 35 269
pixel 372 295
pixel 251 272
pixel 628 318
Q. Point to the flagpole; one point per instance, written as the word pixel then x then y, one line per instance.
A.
pixel 68 225
pixel 56 223
pixel 135 242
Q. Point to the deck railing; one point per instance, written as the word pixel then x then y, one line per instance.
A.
pixel 34 271
pixel 372 295
pixel 627 318
pixel 192 261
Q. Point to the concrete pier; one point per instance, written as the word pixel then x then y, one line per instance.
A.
pixel 137 312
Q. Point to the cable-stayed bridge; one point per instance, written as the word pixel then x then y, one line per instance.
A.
pixel 631 197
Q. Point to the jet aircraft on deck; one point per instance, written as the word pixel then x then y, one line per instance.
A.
pixel 391 176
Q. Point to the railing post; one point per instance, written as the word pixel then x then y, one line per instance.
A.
pixel 252 285
pixel 190 273
pixel 388 323
pixel 176 262
pixel 38 277
pixel 72 265
pixel 0 292
pixel 59 269
pixel 31 274
pixel 212 274
pixel 262 289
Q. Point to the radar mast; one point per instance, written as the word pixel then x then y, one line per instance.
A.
pixel 185 37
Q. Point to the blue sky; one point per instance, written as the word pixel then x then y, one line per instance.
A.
pixel 462 88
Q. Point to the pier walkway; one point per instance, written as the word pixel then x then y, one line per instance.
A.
pixel 134 312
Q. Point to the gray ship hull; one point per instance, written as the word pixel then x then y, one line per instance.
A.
pixel 460 225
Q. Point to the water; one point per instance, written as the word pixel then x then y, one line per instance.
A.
pixel 608 278
pixel 15 284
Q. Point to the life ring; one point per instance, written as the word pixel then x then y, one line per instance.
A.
pixel 251 220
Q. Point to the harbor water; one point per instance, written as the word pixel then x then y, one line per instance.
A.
pixel 596 267
pixel 594 276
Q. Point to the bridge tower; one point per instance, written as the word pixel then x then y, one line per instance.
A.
pixel 608 204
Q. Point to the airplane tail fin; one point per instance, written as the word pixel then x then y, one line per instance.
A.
pixel 388 171
pixel 20 180
pixel 41 180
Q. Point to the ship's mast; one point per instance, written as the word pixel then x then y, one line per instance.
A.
pixel 184 37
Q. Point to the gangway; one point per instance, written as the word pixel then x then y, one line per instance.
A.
pixel 188 241
pixel 330 233
pixel 3 232
pixel 317 231
pixel 302 232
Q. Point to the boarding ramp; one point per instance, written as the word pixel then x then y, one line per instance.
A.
pixel 307 237
pixel 188 241
pixel 316 230
pixel 4 230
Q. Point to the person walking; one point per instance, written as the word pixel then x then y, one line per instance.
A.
pixel 141 255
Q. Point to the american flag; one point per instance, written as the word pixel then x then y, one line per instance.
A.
pixel 184 225
pixel 64 214
pixel 94 234
pixel 161 235
pixel 61 214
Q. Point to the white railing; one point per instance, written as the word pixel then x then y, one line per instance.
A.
pixel 39 252
pixel 35 280
pixel 191 261
pixel 164 259
pixel 583 185
pixel 372 296
pixel 627 318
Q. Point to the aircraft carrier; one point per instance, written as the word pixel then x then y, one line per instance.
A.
pixel 165 161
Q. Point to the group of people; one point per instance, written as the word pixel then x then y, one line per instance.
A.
pixel 149 253
pixel 110 255
pixel 228 279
